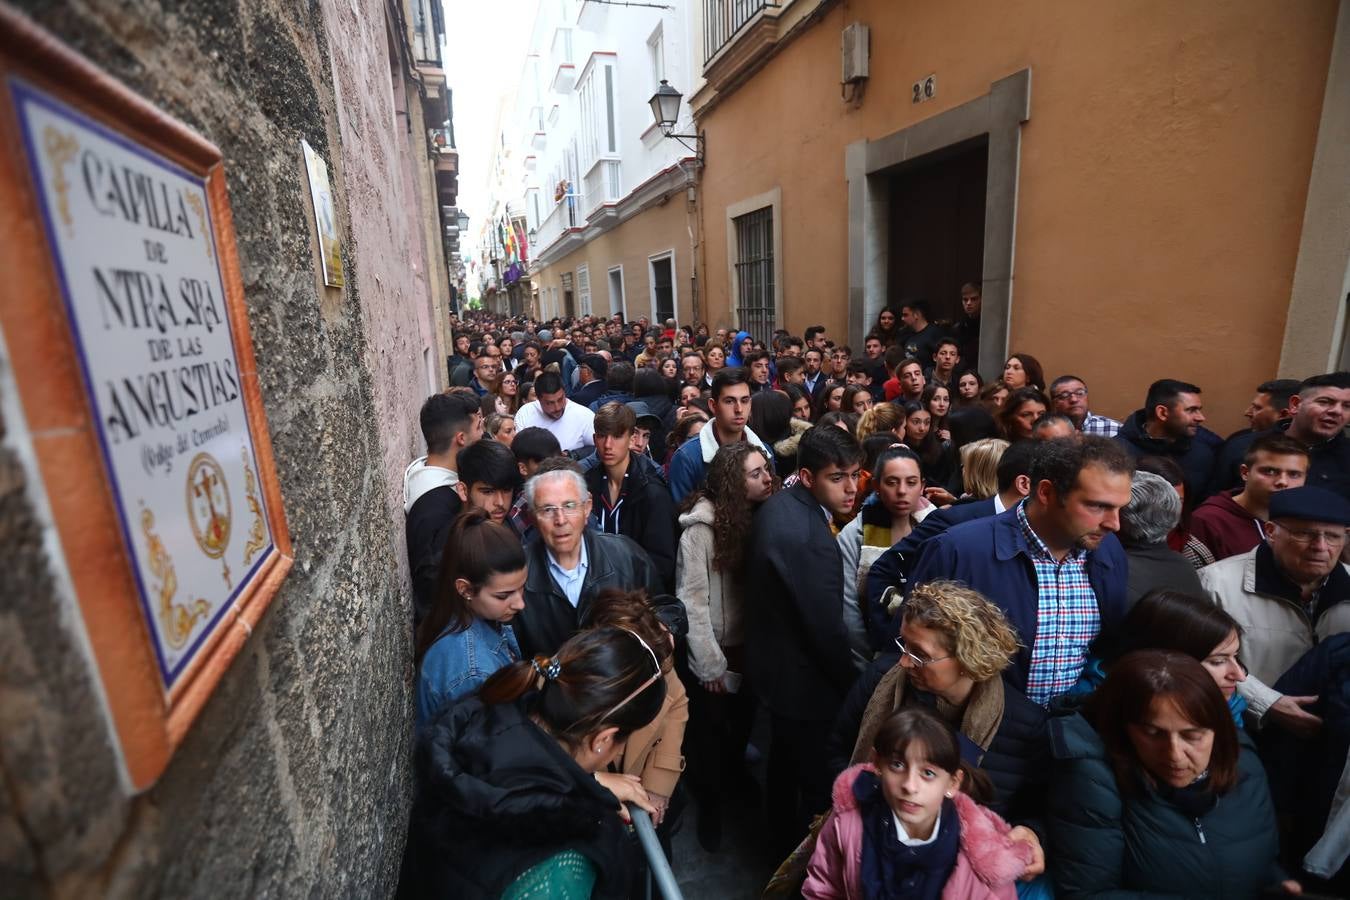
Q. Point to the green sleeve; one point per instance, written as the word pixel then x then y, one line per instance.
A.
pixel 563 876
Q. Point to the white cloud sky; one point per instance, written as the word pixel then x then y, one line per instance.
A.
pixel 485 52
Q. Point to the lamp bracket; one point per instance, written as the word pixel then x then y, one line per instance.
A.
pixel 697 147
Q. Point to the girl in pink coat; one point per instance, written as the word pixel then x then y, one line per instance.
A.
pixel 902 827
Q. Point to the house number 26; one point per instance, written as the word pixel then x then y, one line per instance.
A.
pixel 925 90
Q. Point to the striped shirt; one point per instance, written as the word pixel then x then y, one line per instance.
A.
pixel 1067 617
pixel 1099 425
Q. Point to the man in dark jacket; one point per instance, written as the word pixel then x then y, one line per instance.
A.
pixel 570 564
pixel 892 568
pixel 629 497
pixel 967 329
pixel 1153 511
pixel 618 385
pixel 796 649
pixel 1269 407
pixel 591 378
pixel 459 358
pixel 1057 552
pixel 1169 425
pixel 1320 412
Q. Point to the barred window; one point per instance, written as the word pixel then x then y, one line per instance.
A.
pixel 754 272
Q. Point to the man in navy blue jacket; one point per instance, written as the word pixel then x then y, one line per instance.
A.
pixel 1052 564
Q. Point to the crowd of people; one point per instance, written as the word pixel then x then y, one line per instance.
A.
pixel 997 644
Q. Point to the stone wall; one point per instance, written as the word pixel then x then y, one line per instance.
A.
pixel 294 781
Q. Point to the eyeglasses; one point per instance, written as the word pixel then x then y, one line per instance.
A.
pixel 1311 535
pixel 919 661
pixel 646 684
pixel 1076 394
pixel 570 510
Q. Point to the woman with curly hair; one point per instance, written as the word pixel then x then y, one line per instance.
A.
pixel 717 522
pixel 953 647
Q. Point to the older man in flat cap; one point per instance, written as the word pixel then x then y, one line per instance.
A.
pixel 1287 593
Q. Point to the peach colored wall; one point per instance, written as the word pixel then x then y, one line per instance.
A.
pixel 654 231
pixel 1162 182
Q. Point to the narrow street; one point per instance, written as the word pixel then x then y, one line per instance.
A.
pixel 432 431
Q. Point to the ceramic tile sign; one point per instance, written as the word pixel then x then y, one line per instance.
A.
pixel 132 242
pixel 325 216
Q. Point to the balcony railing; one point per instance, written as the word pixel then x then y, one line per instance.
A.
pixel 723 19
pixel 565 216
pixel 602 184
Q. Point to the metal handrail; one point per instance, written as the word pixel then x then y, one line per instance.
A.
pixel 658 867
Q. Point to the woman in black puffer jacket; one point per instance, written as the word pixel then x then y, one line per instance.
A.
pixel 1156 793
pixel 514 799
pixel 955 644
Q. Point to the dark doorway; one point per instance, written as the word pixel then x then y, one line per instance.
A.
pixel 663 289
pixel 937 227
pixel 569 305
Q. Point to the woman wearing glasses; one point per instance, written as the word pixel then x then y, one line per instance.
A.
pixel 515 797
pixel 952 649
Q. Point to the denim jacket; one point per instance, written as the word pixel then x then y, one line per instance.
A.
pixel 458 663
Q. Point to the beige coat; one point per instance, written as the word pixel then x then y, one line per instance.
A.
pixel 715 608
pixel 655 753
pixel 1276 632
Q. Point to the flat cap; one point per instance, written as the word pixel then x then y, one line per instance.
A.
pixel 1313 504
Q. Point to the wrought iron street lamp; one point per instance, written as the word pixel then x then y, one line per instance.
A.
pixel 665 104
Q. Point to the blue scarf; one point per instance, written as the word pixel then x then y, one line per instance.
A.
pixel 892 870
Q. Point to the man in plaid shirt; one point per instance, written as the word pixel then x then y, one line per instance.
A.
pixel 1069 396
pixel 1052 563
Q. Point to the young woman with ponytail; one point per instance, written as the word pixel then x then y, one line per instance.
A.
pixel 514 799
pixel 467 634
pixel 654 753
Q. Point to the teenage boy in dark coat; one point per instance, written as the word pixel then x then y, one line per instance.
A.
pixel 796 649
pixel 628 495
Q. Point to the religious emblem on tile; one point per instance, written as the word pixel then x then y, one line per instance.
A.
pixel 208 500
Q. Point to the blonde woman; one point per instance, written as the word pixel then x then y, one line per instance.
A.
pixel 881 419
pixel 949 656
pixel 979 467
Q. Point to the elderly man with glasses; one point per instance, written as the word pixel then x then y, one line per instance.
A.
pixel 571 563
pixel 1287 593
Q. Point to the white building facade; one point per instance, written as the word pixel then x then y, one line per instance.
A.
pixel 607 201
